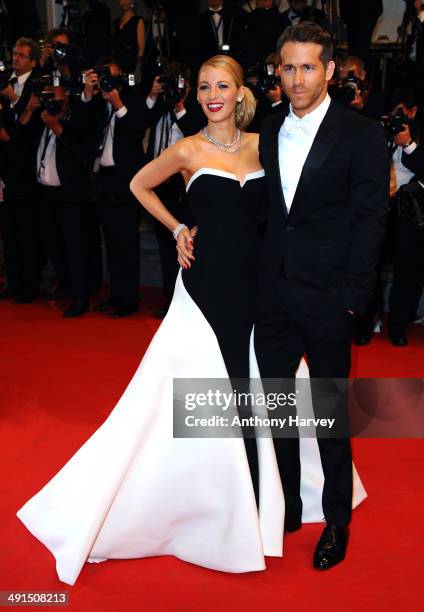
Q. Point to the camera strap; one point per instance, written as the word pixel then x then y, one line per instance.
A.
pixel 47 137
pixel 110 112
pixel 216 26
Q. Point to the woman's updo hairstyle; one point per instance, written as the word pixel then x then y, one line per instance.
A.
pixel 245 110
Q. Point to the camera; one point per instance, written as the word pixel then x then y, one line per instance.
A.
pixel 40 83
pixel 174 87
pixel 108 82
pixel 348 88
pixel 64 53
pixel 262 78
pixel 394 124
pixel 4 76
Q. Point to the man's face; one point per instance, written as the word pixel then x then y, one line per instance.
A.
pixel 22 62
pixel 298 6
pixel 264 4
pixel 62 39
pixel 304 78
pixel 215 4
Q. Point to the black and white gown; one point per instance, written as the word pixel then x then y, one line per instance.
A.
pixel 133 490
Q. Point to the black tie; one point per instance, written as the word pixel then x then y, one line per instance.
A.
pixel 212 12
pixel 13 80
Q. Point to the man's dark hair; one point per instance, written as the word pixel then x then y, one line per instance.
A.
pixel 34 52
pixel 106 60
pixel 401 95
pixel 308 32
pixel 51 34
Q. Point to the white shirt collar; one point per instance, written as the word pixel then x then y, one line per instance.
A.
pixel 22 78
pixel 316 116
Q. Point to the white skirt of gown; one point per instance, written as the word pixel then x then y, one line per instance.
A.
pixel 132 490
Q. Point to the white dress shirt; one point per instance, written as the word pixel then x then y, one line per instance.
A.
pixel 18 87
pixel 400 174
pixel 294 143
pixel 46 168
pixel 218 22
pixel 106 158
pixel 174 131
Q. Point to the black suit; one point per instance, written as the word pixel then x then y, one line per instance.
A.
pixel 318 262
pixel 233 35
pixel 408 255
pixel 117 209
pixel 18 213
pixel 63 209
pixel 360 18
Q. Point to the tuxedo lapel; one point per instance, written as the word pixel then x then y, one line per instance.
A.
pixel 324 141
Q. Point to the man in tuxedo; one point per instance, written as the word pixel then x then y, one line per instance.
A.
pixel 18 212
pixel 219 28
pixel 327 171
pixel 120 121
pixel 60 163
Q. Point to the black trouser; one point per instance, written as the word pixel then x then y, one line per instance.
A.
pixel 18 222
pixel 169 194
pixel 408 275
pixel 119 220
pixel 64 229
pixel 281 339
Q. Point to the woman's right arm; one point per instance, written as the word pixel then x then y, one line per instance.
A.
pixel 170 162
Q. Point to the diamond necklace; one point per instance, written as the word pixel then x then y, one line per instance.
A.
pixel 232 147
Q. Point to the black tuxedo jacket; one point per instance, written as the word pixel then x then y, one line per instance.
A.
pixel 73 148
pixel 17 152
pixel 128 152
pixel 323 252
pixel 233 35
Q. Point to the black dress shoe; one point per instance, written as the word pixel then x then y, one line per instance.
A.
pixel 331 547
pixel 25 298
pixel 362 340
pixel 76 309
pixel 124 311
pixel 105 306
pixel 398 339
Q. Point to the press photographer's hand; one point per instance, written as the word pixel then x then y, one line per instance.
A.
pixel 91 83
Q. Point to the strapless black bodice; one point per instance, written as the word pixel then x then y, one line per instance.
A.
pixel 222 279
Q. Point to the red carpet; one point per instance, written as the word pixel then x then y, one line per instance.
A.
pixel 59 380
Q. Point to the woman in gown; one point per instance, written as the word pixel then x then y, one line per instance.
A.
pixel 133 490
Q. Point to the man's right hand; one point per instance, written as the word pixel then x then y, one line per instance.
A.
pixel 157 88
pixel 33 103
pixel 91 83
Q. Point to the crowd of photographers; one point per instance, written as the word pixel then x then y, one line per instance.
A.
pixel 73 133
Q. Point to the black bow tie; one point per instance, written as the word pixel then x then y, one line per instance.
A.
pixel 212 12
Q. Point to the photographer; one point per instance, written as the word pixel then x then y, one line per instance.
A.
pixel 265 82
pixel 120 120
pixel 18 211
pixel 174 114
pixel 354 90
pixel 408 174
pixel 61 170
pixel 220 30
pixel 60 59
pixel 264 25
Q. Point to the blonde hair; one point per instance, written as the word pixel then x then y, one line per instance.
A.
pixel 245 109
